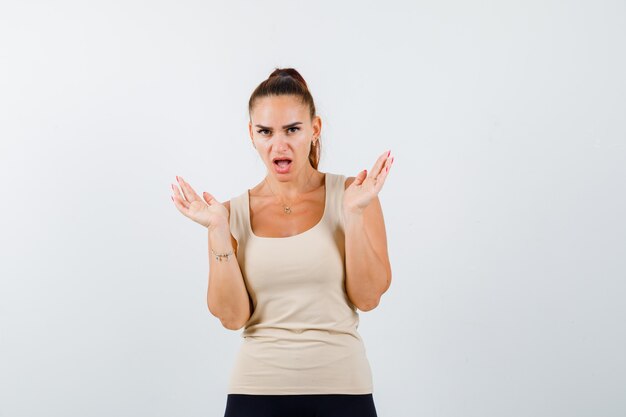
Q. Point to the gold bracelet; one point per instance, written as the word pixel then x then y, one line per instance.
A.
pixel 219 256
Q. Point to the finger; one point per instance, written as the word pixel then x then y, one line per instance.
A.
pixel 379 164
pixel 189 192
pixel 208 197
pixel 179 199
pixel 387 165
pixel 360 177
pixel 179 205
pixel 380 180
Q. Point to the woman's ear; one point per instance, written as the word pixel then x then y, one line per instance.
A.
pixel 251 135
pixel 317 126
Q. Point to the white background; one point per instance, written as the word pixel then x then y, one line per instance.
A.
pixel 504 208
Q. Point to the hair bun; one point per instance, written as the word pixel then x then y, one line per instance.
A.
pixel 288 72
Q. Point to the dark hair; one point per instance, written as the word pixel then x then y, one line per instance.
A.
pixel 288 81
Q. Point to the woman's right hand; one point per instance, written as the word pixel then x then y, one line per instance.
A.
pixel 206 211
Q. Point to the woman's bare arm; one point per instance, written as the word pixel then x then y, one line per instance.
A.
pixel 368 270
pixel 227 296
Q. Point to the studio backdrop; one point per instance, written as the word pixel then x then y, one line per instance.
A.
pixel 504 209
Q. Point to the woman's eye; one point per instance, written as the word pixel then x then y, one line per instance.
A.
pixel 261 131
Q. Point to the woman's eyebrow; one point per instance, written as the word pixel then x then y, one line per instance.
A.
pixel 284 127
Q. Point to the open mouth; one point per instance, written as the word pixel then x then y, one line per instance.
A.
pixel 282 162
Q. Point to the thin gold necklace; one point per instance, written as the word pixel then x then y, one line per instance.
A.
pixel 287 209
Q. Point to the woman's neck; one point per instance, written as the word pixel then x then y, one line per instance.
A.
pixel 289 189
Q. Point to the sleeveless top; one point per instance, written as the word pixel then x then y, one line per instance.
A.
pixel 302 335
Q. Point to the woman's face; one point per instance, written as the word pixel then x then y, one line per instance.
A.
pixel 281 128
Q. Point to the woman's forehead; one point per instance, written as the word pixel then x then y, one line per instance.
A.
pixel 279 110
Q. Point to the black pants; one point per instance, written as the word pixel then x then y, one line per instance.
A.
pixel 303 405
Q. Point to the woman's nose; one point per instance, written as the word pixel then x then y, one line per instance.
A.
pixel 280 141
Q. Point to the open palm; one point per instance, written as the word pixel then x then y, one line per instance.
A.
pixel 206 211
pixel 367 186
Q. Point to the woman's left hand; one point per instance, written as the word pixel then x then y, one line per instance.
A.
pixel 367 186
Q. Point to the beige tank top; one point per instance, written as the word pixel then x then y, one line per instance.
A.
pixel 302 335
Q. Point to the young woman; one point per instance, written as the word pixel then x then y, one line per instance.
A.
pixel 291 260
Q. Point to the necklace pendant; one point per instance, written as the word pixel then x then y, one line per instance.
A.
pixel 287 210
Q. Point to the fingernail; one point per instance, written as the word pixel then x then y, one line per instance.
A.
pixel 388 152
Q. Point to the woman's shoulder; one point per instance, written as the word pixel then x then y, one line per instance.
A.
pixel 235 199
pixel 347 180
pixel 235 220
